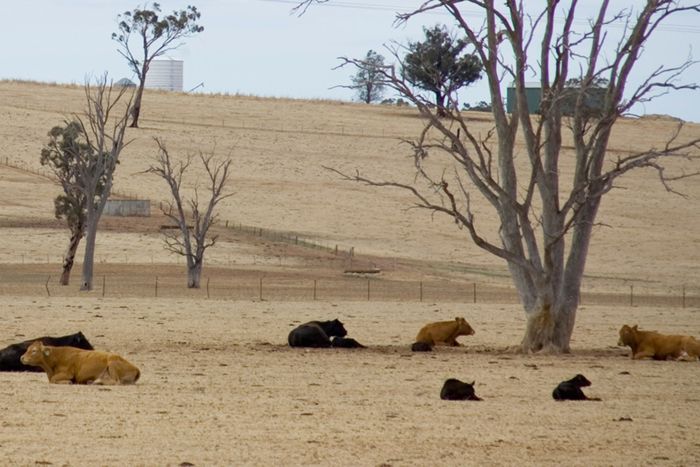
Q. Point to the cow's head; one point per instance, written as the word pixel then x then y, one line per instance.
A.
pixel 463 328
pixel 580 381
pixel 335 328
pixel 628 335
pixel 35 354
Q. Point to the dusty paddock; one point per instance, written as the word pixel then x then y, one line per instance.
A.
pixel 220 387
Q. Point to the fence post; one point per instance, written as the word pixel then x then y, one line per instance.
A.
pixel 156 286
pixel 683 301
pixel 631 295
pixel 314 289
pixel 261 295
pixel 104 281
pixel 474 287
pixel 207 287
pixel 368 281
pixel 48 292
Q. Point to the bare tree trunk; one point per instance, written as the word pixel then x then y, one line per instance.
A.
pixel 89 259
pixel 136 110
pixel 194 275
pixel 69 258
pixel 549 329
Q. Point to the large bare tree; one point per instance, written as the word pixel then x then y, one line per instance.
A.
pixel 103 126
pixel 191 238
pixel 545 219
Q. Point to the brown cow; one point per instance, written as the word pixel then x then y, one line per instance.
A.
pixel 651 344
pixel 71 365
pixel 444 332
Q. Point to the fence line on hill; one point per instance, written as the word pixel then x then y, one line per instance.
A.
pixel 683 295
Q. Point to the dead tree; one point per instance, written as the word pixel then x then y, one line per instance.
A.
pixel 103 126
pixel 192 238
pixel 546 220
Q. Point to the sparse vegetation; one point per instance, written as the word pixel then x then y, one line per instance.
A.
pixel 144 34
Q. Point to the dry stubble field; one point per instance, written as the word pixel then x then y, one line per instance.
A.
pixel 220 387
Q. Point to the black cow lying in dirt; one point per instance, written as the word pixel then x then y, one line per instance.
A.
pixel 346 343
pixel 456 390
pixel 9 356
pixel 421 347
pixel 316 333
pixel 570 390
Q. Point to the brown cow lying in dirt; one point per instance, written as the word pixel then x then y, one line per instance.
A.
pixel 71 365
pixel 645 344
pixel 444 332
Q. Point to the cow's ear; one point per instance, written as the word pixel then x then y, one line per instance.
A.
pixel 457 318
pixel 635 327
pixel 472 384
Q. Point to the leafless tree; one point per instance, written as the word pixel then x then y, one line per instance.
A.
pixel 546 220
pixel 103 127
pixel 192 237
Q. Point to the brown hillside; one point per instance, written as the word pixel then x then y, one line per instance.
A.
pixel 647 235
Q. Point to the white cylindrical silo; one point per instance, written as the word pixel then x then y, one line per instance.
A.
pixel 165 74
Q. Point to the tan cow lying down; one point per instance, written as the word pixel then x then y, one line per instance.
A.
pixel 71 365
pixel 651 344
pixel 444 332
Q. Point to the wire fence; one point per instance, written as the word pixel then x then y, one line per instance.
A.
pixel 270 286
pixel 223 284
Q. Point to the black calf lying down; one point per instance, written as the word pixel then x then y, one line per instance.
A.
pixel 9 356
pixel 421 347
pixel 571 390
pixel 456 390
pixel 316 333
pixel 346 343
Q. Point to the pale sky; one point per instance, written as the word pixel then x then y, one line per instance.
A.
pixel 257 47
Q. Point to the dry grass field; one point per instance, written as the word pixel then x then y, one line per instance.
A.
pixel 219 384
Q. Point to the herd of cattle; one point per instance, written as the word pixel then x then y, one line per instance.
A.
pixel 72 359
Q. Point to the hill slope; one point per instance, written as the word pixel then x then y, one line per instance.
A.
pixel 280 147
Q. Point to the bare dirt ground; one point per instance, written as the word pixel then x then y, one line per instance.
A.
pixel 219 384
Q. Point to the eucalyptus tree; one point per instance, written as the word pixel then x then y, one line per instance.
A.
pixel 145 34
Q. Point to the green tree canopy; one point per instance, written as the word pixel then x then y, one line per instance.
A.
pixel 439 64
pixel 152 35
pixel 368 81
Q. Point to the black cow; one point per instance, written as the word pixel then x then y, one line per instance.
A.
pixel 346 343
pixel 570 390
pixel 456 390
pixel 316 333
pixel 422 347
pixel 9 356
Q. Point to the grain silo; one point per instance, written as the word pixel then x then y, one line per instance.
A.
pixel 165 74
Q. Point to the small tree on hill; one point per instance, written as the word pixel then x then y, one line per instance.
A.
pixel 368 81
pixel 191 239
pixel 439 65
pixel 63 154
pixel 152 35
